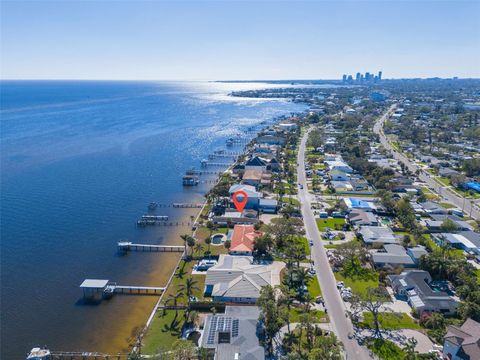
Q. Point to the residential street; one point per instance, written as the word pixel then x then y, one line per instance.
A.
pixel 468 206
pixel 342 325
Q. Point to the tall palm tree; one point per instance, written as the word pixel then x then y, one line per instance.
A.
pixel 185 238
pixel 191 243
pixel 287 299
pixel 188 287
pixel 173 299
pixel 198 247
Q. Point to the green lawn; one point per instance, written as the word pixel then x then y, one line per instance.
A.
pixel 386 350
pixel 444 181
pixel 331 223
pixel 291 201
pixel 359 286
pixel 295 313
pixel 314 287
pixel 447 205
pixel 304 242
pixel 181 274
pixel 163 332
pixel 391 321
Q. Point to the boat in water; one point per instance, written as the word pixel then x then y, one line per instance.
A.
pixel 38 353
pixel 152 206
pixel 190 180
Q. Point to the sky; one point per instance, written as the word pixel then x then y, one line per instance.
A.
pixel 242 40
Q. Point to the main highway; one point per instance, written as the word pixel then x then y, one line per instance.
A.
pixel 468 206
pixel 341 324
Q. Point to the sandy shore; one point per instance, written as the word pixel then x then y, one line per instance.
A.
pixel 119 332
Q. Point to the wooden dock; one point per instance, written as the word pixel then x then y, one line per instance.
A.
pixel 105 288
pixel 129 246
pixel 84 355
pixel 186 205
pixel 146 290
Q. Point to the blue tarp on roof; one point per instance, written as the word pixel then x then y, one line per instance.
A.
pixel 472 186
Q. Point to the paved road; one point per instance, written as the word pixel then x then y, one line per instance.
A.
pixel 468 206
pixel 342 325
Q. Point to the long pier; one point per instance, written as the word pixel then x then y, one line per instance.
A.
pixel 186 205
pixel 129 246
pixel 84 355
pixel 137 289
pixel 92 287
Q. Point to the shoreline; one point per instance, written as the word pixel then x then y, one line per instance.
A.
pixel 139 331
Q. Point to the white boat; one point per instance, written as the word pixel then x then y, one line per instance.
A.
pixel 39 354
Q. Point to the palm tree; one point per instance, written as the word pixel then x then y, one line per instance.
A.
pixel 208 241
pixel 287 299
pixel 191 244
pixel 173 299
pixel 189 287
pixel 198 247
pixel 185 238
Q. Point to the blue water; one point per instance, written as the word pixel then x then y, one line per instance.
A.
pixel 80 161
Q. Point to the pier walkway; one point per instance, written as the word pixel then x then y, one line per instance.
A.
pixel 129 246
pixel 106 288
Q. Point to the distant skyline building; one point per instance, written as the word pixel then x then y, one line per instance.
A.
pixel 361 78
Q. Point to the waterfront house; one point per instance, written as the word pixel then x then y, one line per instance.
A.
pixel 462 342
pixel 256 163
pixel 270 140
pixel 252 195
pixel 252 177
pixel 243 237
pixel 232 217
pixel 233 335
pixel 240 279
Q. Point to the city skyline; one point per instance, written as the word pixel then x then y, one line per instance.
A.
pixel 239 40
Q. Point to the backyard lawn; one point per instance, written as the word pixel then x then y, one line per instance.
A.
pixel 163 332
pixel 332 223
pixel 183 272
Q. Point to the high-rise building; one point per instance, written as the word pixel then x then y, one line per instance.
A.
pixel 357 78
pixel 350 78
pixel 367 76
pixel 344 78
pixel 379 75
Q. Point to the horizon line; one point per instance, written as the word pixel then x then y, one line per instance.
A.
pixel 237 80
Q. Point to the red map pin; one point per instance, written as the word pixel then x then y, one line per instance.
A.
pixel 240 205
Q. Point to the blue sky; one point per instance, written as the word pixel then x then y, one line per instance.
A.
pixel 238 40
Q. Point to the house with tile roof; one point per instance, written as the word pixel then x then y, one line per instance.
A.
pixel 243 239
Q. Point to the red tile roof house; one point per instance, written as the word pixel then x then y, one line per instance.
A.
pixel 242 239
